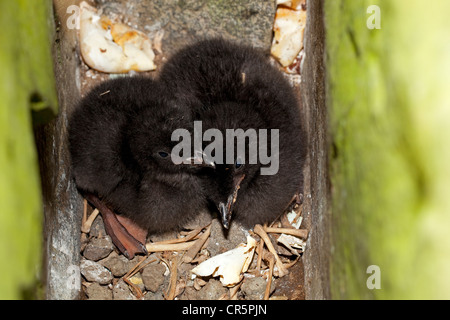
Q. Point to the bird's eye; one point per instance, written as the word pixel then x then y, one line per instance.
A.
pixel 163 154
pixel 238 163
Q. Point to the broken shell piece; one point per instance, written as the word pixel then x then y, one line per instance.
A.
pixel 292 243
pixel 297 65
pixel 294 219
pixel 289 28
pixel 113 47
pixel 293 4
pixel 229 265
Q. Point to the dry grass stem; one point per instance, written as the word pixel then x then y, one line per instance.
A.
pixel 271 259
pixel 137 292
pixel 224 296
pixel 84 218
pixel 180 286
pixel 171 294
pixel 192 252
pixel 282 271
pixel 233 291
pixel 87 224
pixel 159 247
pixel 189 236
pixel 260 250
pixel 290 264
pixel 300 233
pixel 278 298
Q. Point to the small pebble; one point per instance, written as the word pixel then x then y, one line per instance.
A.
pixel 118 264
pixel 98 292
pixel 153 276
pixel 154 296
pixel 98 248
pixel 189 294
pixel 213 290
pixel 254 288
pixel 121 291
pixel 95 272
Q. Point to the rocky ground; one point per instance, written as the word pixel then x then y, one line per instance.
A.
pixel 108 275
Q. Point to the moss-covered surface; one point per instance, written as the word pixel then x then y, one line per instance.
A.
pixel 26 84
pixel 390 123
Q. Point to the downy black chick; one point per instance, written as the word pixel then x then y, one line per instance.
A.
pixel 120 145
pixel 231 86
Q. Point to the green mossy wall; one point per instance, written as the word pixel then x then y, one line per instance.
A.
pixel 389 111
pixel 26 87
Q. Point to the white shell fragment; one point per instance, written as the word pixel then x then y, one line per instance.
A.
pixel 288 29
pixel 292 243
pixel 229 265
pixel 113 47
pixel 294 220
pixel 293 4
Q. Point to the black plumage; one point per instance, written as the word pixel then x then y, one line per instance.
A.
pixel 230 86
pixel 120 145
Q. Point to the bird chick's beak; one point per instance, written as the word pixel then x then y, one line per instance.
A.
pixel 200 159
pixel 226 210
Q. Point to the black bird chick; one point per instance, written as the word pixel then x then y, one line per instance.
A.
pixel 231 86
pixel 120 145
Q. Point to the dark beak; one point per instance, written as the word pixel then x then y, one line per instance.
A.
pixel 226 210
pixel 200 159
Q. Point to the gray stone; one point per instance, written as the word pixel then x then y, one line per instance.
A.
pixel 153 276
pixel 121 291
pixel 98 292
pixel 98 248
pixel 154 296
pixel 189 294
pixel 254 288
pixel 95 272
pixel 118 264
pixel 213 290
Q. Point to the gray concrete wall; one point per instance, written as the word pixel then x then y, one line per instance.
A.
pixel 316 258
pixel 62 204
